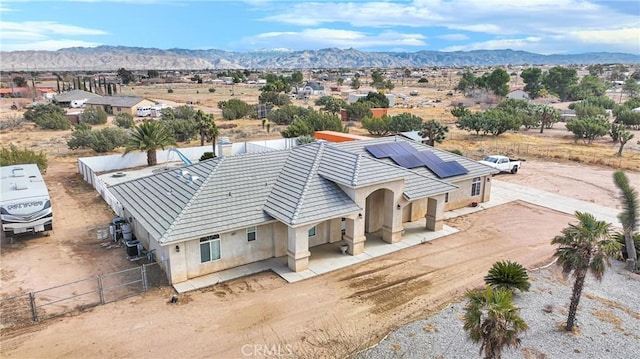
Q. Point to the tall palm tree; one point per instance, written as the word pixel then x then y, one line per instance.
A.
pixel 492 319
pixel 630 215
pixel 149 136
pixel 584 247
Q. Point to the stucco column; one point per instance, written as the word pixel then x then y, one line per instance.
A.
pixel 335 230
pixel 392 228
pixel 486 189
pixel 435 213
pixel 354 235
pixel 298 248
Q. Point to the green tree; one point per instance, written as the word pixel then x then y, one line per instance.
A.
pixel 423 80
pixel 433 131
pixel 508 275
pixel 559 81
pixel 405 122
pixel 296 77
pixel 358 110
pixel 492 320
pixel 460 111
pixel 12 155
pixel 94 116
pixel 48 117
pixel 355 83
pixel 234 109
pixel 624 136
pixel 125 75
pixel 330 104
pixel 377 80
pixel 467 82
pixel 585 109
pixel 376 99
pixel 532 78
pixel 20 81
pixel 630 215
pixel 589 86
pixel 274 98
pixel 285 115
pixel 377 126
pixel 313 121
pixel 149 136
pixel 546 115
pixel 498 82
pixel 631 88
pixel 588 128
pixel 153 74
pixel 208 129
pixel 124 120
pixel 582 248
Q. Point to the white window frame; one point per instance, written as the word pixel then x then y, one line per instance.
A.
pixel 252 230
pixel 313 231
pixel 476 186
pixel 209 242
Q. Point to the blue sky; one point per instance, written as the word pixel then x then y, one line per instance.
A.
pixel 540 26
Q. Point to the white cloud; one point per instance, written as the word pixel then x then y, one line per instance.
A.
pixel 324 37
pixel 454 37
pixel 39 35
pixel 516 19
pixel 47 45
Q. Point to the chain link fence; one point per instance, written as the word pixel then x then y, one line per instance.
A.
pixel 81 294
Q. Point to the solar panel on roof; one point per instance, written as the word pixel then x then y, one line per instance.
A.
pixel 405 155
pixel 376 151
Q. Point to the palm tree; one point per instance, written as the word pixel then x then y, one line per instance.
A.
pixel 584 247
pixel 508 275
pixel 149 136
pixel 629 216
pixel 492 319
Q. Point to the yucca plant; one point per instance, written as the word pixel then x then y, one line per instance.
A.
pixel 620 238
pixel 508 275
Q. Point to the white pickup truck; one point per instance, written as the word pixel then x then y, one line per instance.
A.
pixel 502 163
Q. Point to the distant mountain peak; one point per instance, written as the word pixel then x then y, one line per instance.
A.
pixel 107 58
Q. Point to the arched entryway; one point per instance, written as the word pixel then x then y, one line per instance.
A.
pixel 383 216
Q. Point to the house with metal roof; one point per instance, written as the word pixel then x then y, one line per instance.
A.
pixel 74 98
pixel 115 105
pixel 234 210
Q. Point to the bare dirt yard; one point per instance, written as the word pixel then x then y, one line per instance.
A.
pixel 326 316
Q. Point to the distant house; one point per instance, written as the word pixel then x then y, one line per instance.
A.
pixel 73 99
pixel 312 88
pixel 27 92
pixel 518 95
pixel 115 105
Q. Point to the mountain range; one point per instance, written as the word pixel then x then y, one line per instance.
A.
pixel 108 58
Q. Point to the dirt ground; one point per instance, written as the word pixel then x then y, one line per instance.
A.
pixel 325 316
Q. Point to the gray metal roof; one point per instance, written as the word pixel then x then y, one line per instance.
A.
pixel 297 186
pixel 75 95
pixel 116 101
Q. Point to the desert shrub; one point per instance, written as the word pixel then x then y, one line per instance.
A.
pixel 275 98
pixel 15 156
pixel 423 80
pixel 170 91
pixel 234 109
pixel 287 114
pixel 13 121
pixel 212 90
pixel 508 275
pixel 589 128
pixel 94 116
pixel 377 126
pixel 207 156
pixel 104 140
pixel 405 122
pixel 305 139
pixel 377 100
pixel 48 117
pixel 226 126
pixel 124 120
pixel 359 110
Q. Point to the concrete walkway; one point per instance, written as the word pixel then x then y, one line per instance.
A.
pixel 328 257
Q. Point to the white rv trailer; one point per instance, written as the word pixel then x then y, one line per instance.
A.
pixel 25 202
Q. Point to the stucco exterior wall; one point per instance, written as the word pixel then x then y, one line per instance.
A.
pixel 462 197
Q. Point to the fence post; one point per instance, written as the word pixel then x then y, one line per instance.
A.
pixel 100 289
pixel 34 311
pixel 143 272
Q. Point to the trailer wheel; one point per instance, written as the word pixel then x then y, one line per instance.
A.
pixel 514 170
